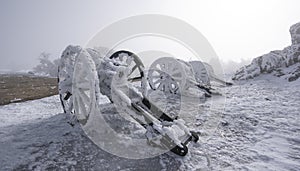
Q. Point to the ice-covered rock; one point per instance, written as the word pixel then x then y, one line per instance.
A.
pixel 295 33
pixel 281 63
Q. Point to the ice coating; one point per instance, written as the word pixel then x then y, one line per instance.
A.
pixel 280 63
pixel 295 33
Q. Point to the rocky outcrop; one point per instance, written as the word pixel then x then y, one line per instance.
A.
pixel 281 63
pixel 295 33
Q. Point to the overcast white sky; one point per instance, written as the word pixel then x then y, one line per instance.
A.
pixel 236 29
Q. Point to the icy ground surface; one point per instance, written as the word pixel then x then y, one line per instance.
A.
pixel 259 129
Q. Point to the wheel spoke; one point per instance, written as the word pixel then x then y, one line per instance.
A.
pixel 160 86
pixel 83 85
pixel 172 88
pixel 159 72
pixel 156 76
pixel 177 76
pixel 162 67
pixel 169 67
pixel 157 81
pixel 133 69
pixel 176 72
pixel 85 97
pixel 70 104
pixel 156 68
pixel 82 106
pixel 76 106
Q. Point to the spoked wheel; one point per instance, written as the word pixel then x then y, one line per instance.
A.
pixel 167 74
pixel 132 61
pixel 85 80
pixel 201 73
pixel 65 76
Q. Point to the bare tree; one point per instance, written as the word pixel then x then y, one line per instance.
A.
pixel 46 66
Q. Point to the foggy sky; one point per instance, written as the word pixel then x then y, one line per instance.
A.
pixel 236 29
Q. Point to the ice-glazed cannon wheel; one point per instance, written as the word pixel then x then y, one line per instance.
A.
pixel 201 73
pixel 132 61
pixel 167 74
pixel 85 83
pixel 65 77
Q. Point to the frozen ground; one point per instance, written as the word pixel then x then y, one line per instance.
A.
pixel 259 129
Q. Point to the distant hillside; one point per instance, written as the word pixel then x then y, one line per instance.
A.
pixel 280 63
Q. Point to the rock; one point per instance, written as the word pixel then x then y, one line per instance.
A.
pixel 280 63
pixel 267 99
pixel 295 33
pixel 295 74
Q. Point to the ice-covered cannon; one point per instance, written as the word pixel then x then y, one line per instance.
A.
pixel 177 76
pixel 85 74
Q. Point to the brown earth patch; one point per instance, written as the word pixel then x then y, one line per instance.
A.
pixel 23 87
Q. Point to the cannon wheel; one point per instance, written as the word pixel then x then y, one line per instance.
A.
pixel 85 84
pixel 65 73
pixel 201 73
pixel 167 74
pixel 122 57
